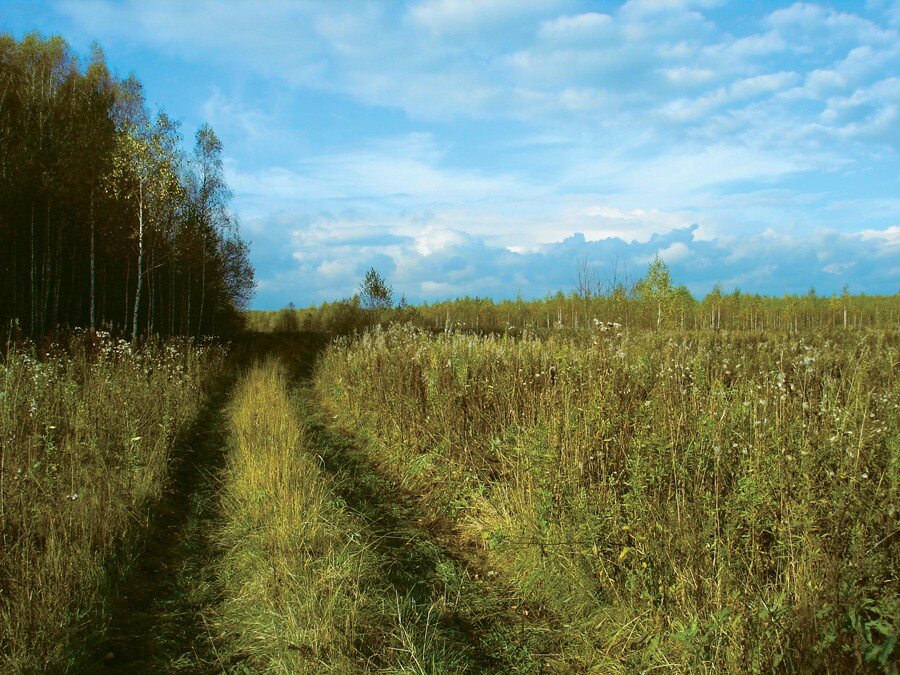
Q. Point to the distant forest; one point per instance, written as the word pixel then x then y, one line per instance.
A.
pixel 603 303
pixel 105 222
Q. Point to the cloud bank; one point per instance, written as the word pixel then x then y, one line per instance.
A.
pixel 330 256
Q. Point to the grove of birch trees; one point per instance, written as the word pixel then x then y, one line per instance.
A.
pixel 105 221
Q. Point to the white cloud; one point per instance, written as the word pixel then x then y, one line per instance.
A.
pixel 405 168
pixel 736 92
pixel 674 179
pixel 838 268
pixel 889 237
pixel 223 112
pixel 333 270
pixel 531 60
pixel 576 28
pixel 676 252
pixel 453 16
pixel 738 53
pixel 687 76
pixel 806 22
pixel 435 240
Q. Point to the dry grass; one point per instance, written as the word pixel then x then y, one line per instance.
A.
pixel 311 584
pixel 293 567
pixel 693 502
pixel 86 433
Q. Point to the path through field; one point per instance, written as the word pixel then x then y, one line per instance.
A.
pixel 157 618
pixel 434 589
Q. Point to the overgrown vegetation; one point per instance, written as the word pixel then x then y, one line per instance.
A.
pixel 85 435
pixel 313 584
pixel 692 501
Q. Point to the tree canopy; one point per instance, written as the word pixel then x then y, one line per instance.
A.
pixel 374 292
pixel 104 219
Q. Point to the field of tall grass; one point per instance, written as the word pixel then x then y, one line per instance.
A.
pixel 702 501
pixel 309 584
pixel 86 431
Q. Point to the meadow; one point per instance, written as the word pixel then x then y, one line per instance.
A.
pixel 86 430
pixel 688 501
pixel 600 499
pixel 619 478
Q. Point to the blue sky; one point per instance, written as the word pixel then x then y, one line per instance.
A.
pixel 482 147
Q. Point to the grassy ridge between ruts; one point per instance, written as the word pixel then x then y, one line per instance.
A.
pixel 291 597
pixel 86 432
pixel 704 502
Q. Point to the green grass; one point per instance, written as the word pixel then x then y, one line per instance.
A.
pixel 694 502
pixel 327 568
pixel 292 566
pixel 86 433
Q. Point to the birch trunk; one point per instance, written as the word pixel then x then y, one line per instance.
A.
pixel 93 302
pixel 140 261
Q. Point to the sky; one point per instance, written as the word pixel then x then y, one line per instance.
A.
pixel 488 147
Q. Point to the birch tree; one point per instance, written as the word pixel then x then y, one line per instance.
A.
pixel 144 176
pixel 656 288
pixel 97 217
pixel 211 202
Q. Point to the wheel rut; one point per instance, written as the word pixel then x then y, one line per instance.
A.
pixel 434 580
pixel 438 592
pixel 157 619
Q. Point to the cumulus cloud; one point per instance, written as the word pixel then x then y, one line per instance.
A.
pixel 443 263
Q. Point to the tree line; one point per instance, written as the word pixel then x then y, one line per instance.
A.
pixel 652 301
pixel 105 221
